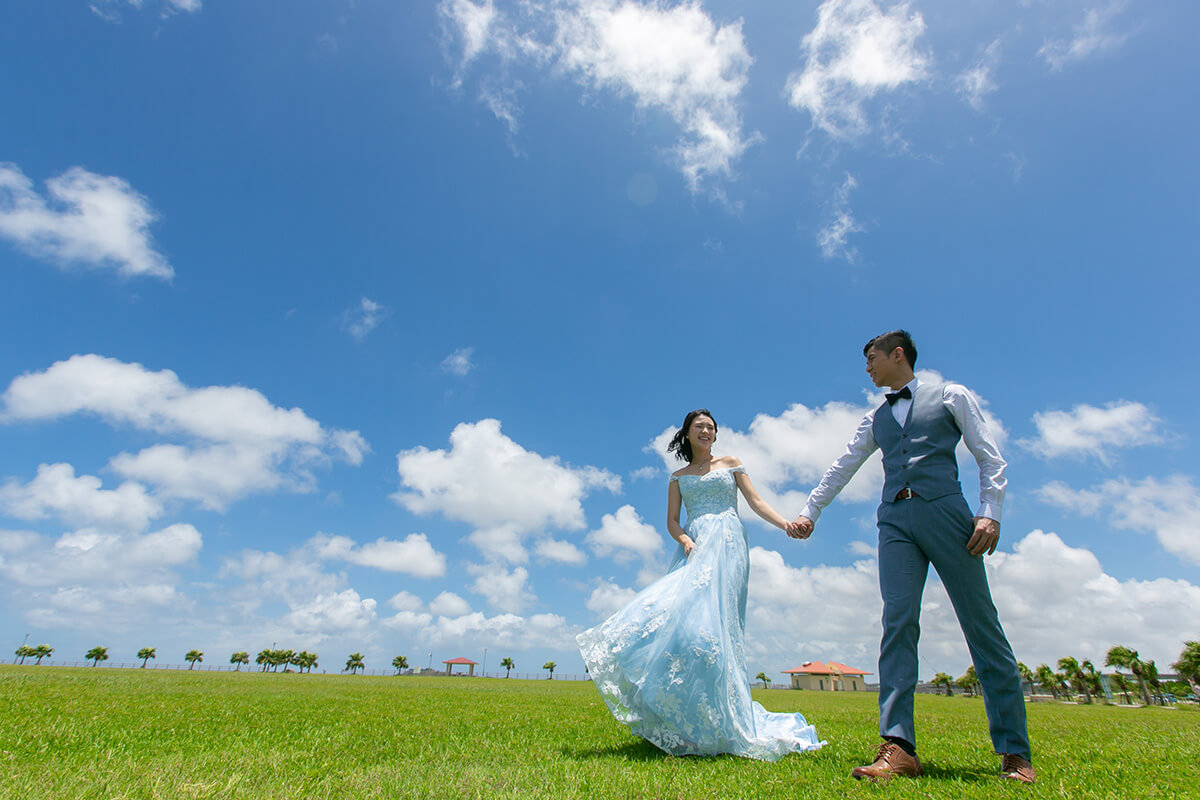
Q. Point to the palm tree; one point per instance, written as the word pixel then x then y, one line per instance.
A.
pixel 239 658
pixel 508 665
pixel 944 679
pixel 1188 665
pixel 1047 679
pixel 400 663
pixel 762 676
pixel 263 658
pixel 355 663
pixel 193 656
pixel 1150 669
pixel 307 660
pixel 147 653
pixel 1091 680
pixel 1121 656
pixel 1026 675
pixel 550 665
pixel 1075 674
pixel 23 652
pixel 1121 684
pixel 42 651
pixel 96 655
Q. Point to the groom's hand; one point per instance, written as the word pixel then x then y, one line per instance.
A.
pixel 985 538
pixel 800 528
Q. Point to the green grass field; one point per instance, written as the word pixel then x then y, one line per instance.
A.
pixel 106 733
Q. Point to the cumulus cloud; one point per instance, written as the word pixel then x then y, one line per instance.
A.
pixel 459 362
pixel 1170 508
pixel 363 318
pixel 560 552
pixel 85 219
pixel 856 50
pixel 93 580
pixel 448 604
pixel 503 589
pixel 79 501
pixel 1054 600
pixel 607 598
pixel 624 536
pixel 1095 36
pixel 344 612
pixel 1087 430
pixel 507 631
pixel 672 59
pixel 413 555
pixel 492 483
pixel 241 443
pixel 832 238
pixel 976 82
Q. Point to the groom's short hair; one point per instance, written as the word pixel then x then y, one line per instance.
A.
pixel 887 342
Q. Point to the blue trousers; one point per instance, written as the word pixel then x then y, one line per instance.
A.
pixel 913 534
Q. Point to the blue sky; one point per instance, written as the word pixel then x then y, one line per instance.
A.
pixel 358 325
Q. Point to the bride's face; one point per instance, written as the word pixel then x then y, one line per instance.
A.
pixel 702 432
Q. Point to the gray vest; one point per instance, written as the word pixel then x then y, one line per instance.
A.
pixel 920 455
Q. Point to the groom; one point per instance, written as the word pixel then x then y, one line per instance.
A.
pixel 924 519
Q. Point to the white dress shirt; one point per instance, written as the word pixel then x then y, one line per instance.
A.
pixel 959 401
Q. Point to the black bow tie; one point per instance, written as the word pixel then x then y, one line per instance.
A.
pixel 892 397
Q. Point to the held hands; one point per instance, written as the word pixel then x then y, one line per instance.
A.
pixel 800 528
pixel 985 538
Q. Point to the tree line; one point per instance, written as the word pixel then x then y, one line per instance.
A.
pixel 1081 678
pixel 268 660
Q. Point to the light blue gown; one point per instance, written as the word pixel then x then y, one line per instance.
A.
pixel 671 664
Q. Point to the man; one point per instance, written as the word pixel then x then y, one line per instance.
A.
pixel 924 519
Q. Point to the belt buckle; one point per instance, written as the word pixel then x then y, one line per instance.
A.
pixel 905 494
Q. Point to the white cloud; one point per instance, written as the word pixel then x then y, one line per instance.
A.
pixel 96 221
pixel 673 59
pixel 1053 600
pixel 413 555
pixel 448 604
pixel 560 552
pixel 489 481
pixel 243 442
pixel 1170 509
pixel 363 318
pixel 92 580
pixel 504 590
pixel 79 501
pixel 459 362
pixel 507 631
pixel 624 536
pixel 1092 37
pixel 109 10
pixel 832 238
pixel 977 82
pixel 405 601
pixel 855 51
pixel 344 612
pixel 1088 430
pixel 607 598
pixel 645 473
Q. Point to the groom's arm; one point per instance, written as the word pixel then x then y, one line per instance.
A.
pixel 992 483
pixel 839 473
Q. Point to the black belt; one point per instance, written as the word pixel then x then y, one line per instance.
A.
pixel 906 494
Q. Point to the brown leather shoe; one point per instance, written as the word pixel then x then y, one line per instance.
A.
pixel 1016 768
pixel 890 761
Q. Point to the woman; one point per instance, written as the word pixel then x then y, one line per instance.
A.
pixel 671 664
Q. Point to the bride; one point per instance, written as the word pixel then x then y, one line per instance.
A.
pixel 671 664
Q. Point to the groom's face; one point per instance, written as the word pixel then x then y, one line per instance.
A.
pixel 884 368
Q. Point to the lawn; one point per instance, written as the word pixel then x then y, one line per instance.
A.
pixel 128 733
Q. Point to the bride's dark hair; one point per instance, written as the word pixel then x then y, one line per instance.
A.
pixel 680 445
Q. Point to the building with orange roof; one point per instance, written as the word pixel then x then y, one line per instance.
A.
pixel 831 677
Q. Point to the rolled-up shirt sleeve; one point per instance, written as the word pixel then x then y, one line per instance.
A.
pixel 839 474
pixel 982 445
